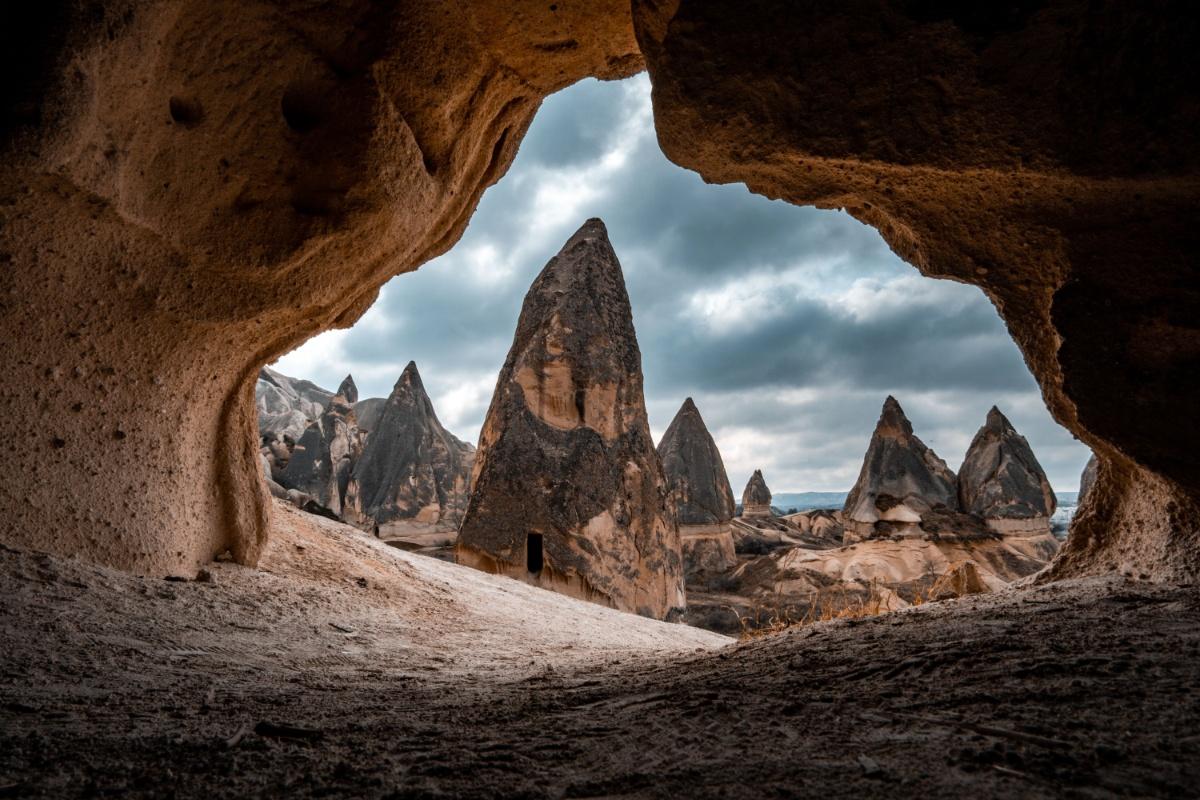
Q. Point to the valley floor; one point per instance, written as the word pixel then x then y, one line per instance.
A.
pixel 347 668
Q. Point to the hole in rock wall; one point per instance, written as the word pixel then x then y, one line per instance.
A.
pixel 788 326
pixel 534 559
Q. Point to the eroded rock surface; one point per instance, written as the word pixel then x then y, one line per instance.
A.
pixel 700 491
pixel 756 497
pixel 1001 480
pixel 411 467
pixel 901 480
pixel 695 472
pixel 286 406
pixel 321 461
pixel 1088 478
pixel 1060 178
pixel 192 188
pixel 568 492
pixel 195 188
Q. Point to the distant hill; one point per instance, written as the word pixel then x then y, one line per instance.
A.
pixel 802 501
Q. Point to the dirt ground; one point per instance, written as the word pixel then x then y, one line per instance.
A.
pixel 348 668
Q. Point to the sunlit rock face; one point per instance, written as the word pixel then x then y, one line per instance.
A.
pixel 1001 480
pixel 756 497
pixel 320 462
pixel 700 492
pixel 901 482
pixel 568 492
pixel 411 467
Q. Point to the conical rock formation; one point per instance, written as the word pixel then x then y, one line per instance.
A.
pixel 321 461
pixel 756 497
pixel 700 492
pixel 568 492
pixel 1088 478
pixel 901 481
pixel 694 470
pixel 1001 481
pixel 411 467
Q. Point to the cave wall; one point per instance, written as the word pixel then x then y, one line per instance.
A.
pixel 189 189
pixel 1043 151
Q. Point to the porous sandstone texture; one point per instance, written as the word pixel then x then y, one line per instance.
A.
pixel 567 491
pixel 756 497
pixel 188 189
pixel 901 481
pixel 700 492
pixel 1001 480
pixel 1042 151
pixel 411 467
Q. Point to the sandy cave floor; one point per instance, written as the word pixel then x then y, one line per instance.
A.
pixel 403 676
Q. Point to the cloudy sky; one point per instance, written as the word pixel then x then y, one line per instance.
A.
pixel 788 326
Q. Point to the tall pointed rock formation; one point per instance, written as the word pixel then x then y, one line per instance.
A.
pixel 568 492
pixel 320 463
pixel 411 468
pixel 756 497
pixel 1001 481
pixel 901 481
pixel 1088 478
pixel 700 492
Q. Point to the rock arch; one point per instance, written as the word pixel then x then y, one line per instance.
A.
pixel 190 188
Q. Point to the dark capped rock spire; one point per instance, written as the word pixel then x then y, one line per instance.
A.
pixel 411 468
pixel 321 461
pixel 695 473
pixel 901 479
pixel 1001 479
pixel 568 492
pixel 756 497
pixel 348 391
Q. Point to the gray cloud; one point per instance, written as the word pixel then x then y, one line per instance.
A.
pixel 788 325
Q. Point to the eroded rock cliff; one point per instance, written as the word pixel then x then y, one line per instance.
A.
pixel 700 491
pixel 568 492
pixel 320 462
pixel 1001 480
pixel 411 467
pixel 1045 154
pixel 901 482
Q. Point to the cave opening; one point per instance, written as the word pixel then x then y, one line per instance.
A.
pixel 786 327
pixel 196 187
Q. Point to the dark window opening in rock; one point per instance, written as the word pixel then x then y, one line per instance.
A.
pixel 779 355
pixel 303 107
pixel 533 553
